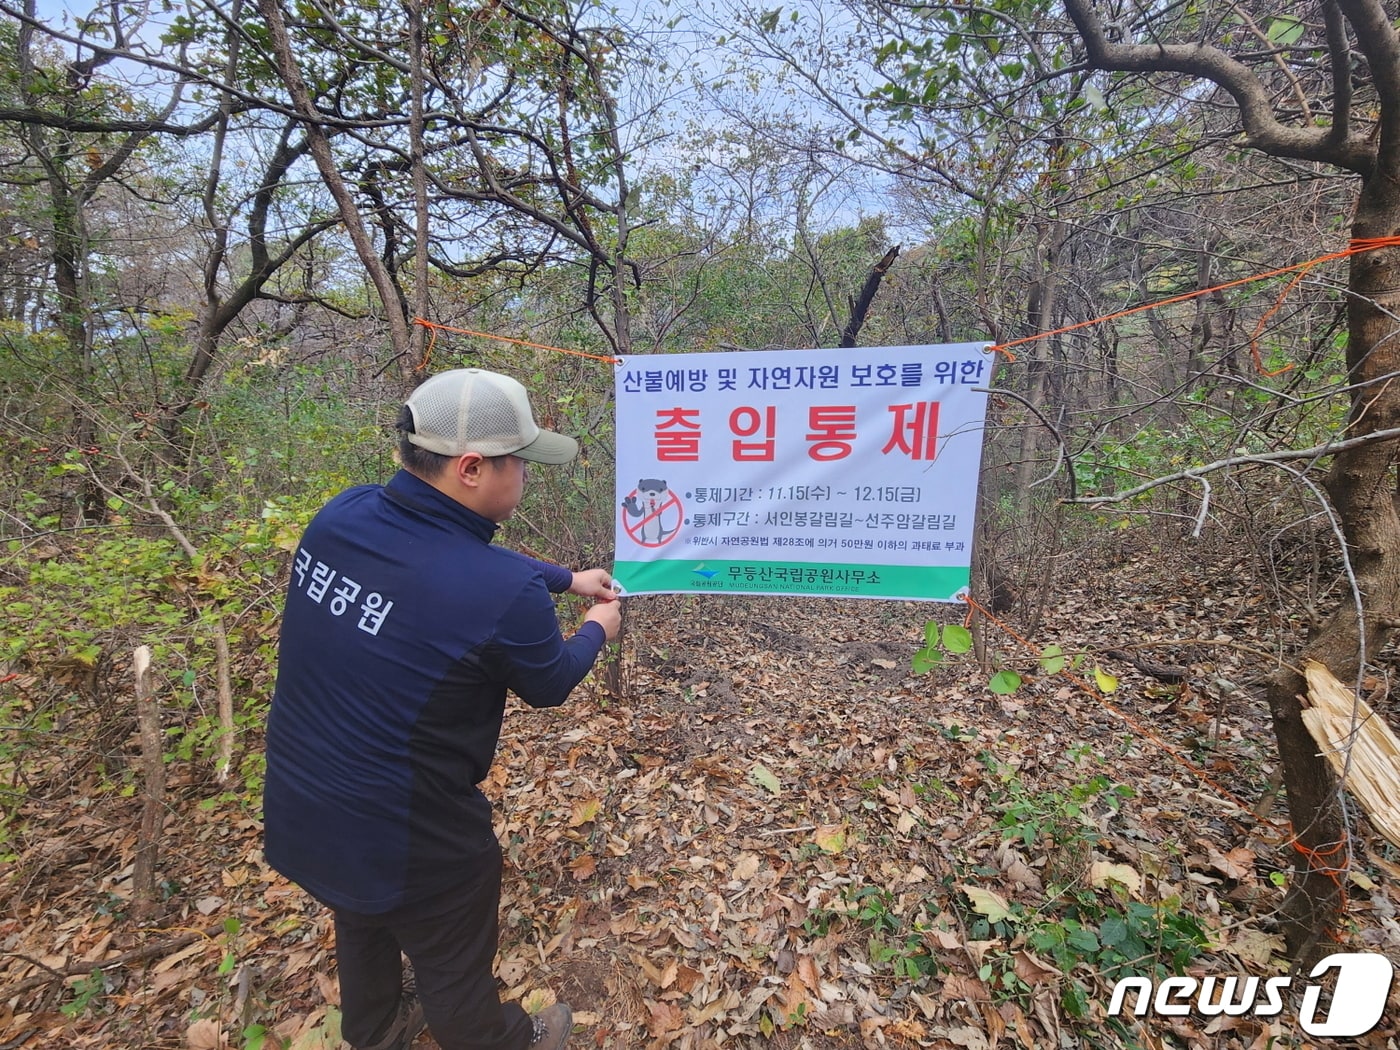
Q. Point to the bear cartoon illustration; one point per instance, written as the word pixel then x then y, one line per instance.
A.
pixel 646 503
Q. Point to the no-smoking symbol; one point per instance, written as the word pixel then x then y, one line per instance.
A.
pixel 652 517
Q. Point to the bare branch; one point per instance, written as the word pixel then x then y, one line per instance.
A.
pixel 1061 457
pixel 1281 456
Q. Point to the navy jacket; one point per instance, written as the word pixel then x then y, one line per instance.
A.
pixel 404 628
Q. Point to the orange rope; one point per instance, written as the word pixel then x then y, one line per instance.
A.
pixel 1360 244
pixel 1299 270
pixel 1317 861
pixel 1316 857
pixel 433 329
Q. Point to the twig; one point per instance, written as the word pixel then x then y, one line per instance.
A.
pixel 79 969
pixel 225 691
pixel 1266 458
pixel 1205 509
pixel 1060 455
pixel 787 831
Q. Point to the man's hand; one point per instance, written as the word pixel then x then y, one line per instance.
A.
pixel 594 583
pixel 608 616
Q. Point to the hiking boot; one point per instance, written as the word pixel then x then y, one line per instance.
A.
pixel 408 1022
pixel 552 1027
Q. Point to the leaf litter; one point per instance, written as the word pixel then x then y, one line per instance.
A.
pixel 775 835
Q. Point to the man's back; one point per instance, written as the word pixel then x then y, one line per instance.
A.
pixel 404 627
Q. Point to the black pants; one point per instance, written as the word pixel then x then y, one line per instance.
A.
pixel 451 941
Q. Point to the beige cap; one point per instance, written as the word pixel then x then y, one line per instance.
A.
pixel 472 410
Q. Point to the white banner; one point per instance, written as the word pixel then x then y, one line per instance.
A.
pixel 848 473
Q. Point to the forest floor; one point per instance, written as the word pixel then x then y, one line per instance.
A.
pixel 774 834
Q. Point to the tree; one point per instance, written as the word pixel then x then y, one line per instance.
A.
pixel 512 151
pixel 1351 60
pixel 116 171
pixel 498 144
pixel 1313 95
pixel 1090 157
pixel 75 155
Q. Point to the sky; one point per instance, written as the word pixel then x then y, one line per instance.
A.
pixel 668 101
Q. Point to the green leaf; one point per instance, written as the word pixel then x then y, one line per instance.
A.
pixel 925 660
pixel 1113 931
pixel 1004 682
pixel 1052 659
pixel 231 925
pixel 956 638
pixel 1094 97
pixel 764 778
pixel 1083 941
pixel 228 963
pixel 1284 31
pixel 931 633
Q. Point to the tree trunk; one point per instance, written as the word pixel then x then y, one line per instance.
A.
pixel 1361 487
pixel 1041 311
pixel 860 304
pixel 143 876
pixel 400 338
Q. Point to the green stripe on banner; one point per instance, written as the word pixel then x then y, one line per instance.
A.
pixel 938 583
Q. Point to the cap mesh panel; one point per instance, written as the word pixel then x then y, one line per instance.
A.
pixel 469 413
pixel 489 416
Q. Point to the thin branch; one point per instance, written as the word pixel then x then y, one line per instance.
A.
pixel 1265 458
pixel 1061 456
pixel 148 951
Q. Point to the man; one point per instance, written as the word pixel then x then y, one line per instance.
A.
pixel 404 628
